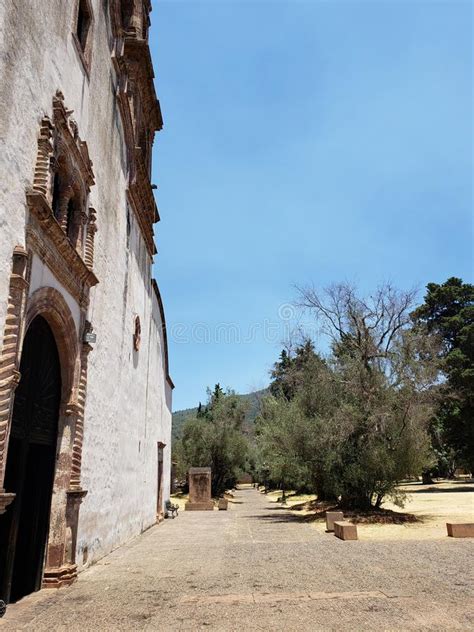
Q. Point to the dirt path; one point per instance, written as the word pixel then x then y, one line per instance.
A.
pixel 256 567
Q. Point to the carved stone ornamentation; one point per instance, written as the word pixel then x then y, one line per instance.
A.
pixel 9 359
pixel 139 108
pixel 75 482
pixel 137 334
pixel 90 237
pixel 41 179
pixel 60 230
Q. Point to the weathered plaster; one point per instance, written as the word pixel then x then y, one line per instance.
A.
pixel 41 276
pixel 128 404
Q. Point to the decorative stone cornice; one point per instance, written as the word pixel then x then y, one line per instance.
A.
pixel 139 108
pixel 76 147
pixel 135 54
pixel 140 11
pixel 124 106
pixel 63 258
pixel 142 201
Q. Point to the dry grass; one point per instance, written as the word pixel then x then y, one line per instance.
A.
pixel 424 516
pixel 433 506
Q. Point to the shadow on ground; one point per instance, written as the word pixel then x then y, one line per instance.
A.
pixel 435 490
pixel 380 516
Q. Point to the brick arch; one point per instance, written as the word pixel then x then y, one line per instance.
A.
pixel 51 305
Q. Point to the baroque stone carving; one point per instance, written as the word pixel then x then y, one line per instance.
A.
pixel 75 482
pixel 139 108
pixel 137 334
pixel 60 230
pixel 61 184
pixel 9 359
pixel 90 236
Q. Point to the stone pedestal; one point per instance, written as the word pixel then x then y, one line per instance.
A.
pixel 331 518
pixel 222 504
pixel 345 531
pixel 460 530
pixel 199 490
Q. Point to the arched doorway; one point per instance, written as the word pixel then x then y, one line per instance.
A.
pixel 30 464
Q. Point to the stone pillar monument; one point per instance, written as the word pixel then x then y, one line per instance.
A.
pixel 199 490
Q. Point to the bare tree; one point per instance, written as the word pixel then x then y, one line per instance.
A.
pixel 386 387
pixel 369 325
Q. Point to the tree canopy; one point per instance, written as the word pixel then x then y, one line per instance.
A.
pixel 353 424
pixel 214 438
pixel 447 314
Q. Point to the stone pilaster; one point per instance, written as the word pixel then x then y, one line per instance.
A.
pixel 9 359
pixel 90 237
pixel 75 482
pixel 41 179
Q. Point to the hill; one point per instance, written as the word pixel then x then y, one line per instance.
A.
pixel 252 399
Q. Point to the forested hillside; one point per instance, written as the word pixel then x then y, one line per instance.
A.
pixel 251 399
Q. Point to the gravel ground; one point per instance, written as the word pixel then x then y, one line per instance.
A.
pixel 257 567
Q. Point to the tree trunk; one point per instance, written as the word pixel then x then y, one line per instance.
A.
pixel 426 478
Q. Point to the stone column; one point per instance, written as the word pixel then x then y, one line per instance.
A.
pixel 90 237
pixel 75 482
pixel 42 179
pixel 64 196
pixel 9 359
pixel 61 568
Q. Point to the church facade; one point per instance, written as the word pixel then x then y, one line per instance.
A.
pixel 85 391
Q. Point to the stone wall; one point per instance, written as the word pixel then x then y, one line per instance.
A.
pixel 128 403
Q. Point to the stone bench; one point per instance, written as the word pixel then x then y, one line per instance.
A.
pixel 345 530
pixel 331 518
pixel 460 529
pixel 222 504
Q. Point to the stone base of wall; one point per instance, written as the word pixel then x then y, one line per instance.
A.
pixel 58 577
pixel 5 500
pixel 206 506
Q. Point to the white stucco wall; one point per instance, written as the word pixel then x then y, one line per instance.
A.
pixel 128 406
pixel 41 276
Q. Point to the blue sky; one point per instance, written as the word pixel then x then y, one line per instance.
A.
pixel 303 142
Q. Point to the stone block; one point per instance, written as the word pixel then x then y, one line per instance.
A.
pixel 222 504
pixel 345 530
pixel 460 529
pixel 199 490
pixel 332 517
pixel 209 506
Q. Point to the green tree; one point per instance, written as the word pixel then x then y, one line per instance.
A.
pixel 215 439
pixel 356 422
pixel 448 314
pixel 288 373
pixel 277 434
pixel 385 378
